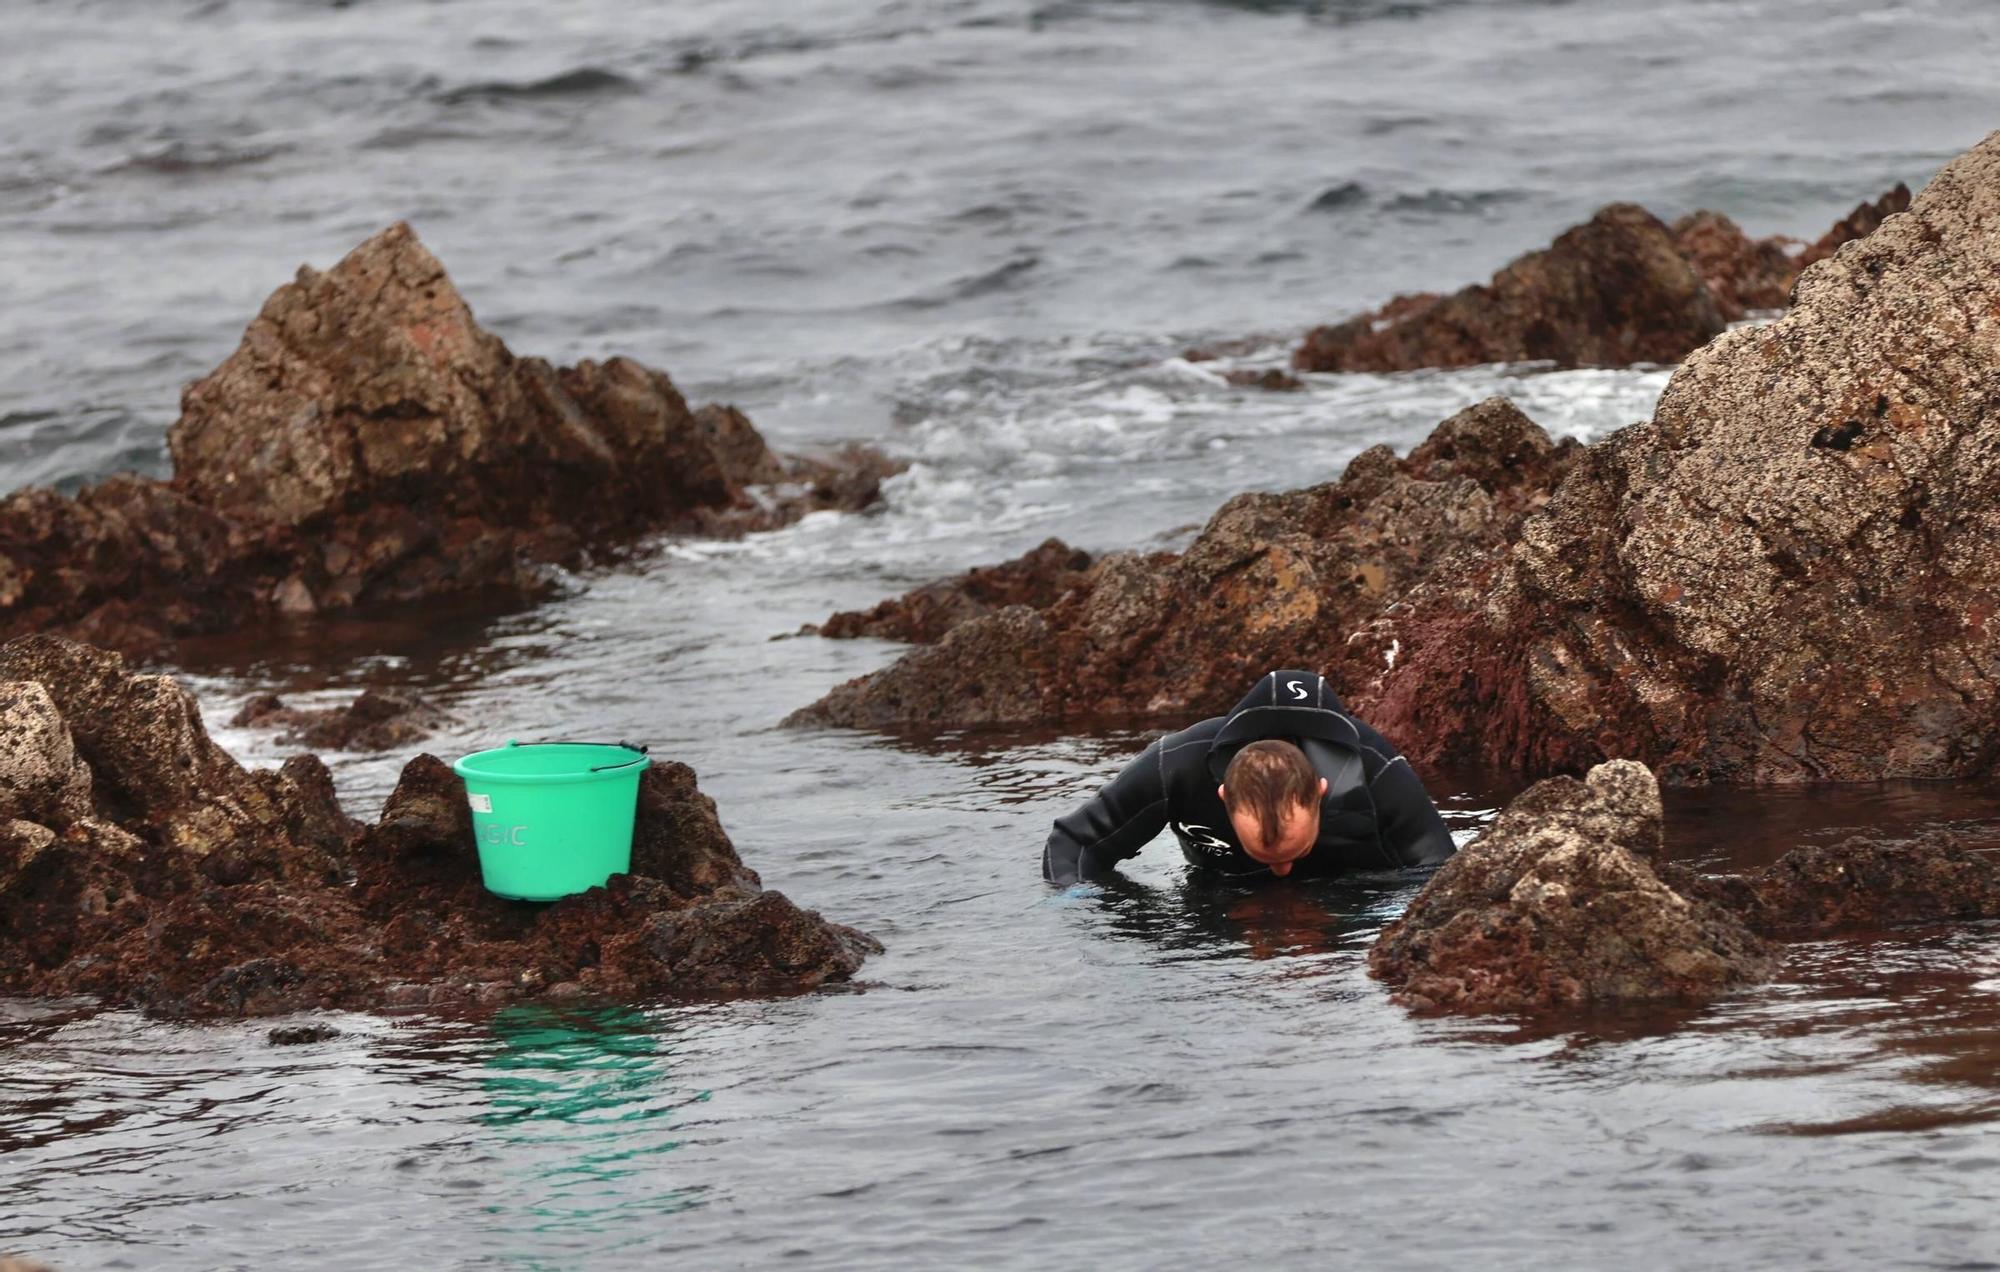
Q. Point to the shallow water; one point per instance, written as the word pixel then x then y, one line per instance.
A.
pixel 978 234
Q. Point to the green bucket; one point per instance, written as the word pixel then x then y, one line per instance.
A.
pixel 552 818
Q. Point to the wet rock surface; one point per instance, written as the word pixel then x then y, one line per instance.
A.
pixel 187 886
pixel 1273 580
pixel 1558 905
pixel 377 720
pixel 1036 578
pixel 369 442
pixel 1786 575
pixel 1620 289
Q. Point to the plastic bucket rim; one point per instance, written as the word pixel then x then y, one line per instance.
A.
pixel 467 770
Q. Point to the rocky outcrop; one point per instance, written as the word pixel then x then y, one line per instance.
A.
pixel 1273 580
pixel 1037 579
pixel 369 442
pixel 1564 902
pixel 377 720
pixel 143 866
pixel 1866 883
pixel 1558 905
pixel 1610 292
pixel 1788 574
pixel 1619 289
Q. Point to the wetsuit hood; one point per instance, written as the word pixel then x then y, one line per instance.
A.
pixel 1284 704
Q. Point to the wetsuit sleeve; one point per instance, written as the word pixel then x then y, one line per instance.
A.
pixel 1409 821
pixel 1121 820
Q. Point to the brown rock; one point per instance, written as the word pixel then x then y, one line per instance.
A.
pixel 1273 580
pixel 221 892
pixel 1743 275
pixel 1786 575
pixel 1035 579
pixel 368 442
pixel 1864 220
pixel 377 720
pixel 1863 882
pixel 1558 905
pixel 1611 292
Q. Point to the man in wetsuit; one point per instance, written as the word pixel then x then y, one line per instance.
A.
pixel 1286 783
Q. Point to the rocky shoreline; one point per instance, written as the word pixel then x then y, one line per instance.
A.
pixel 369 443
pixel 142 866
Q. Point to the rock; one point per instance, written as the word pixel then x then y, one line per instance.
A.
pixel 41 775
pixel 1558 905
pixel 369 442
pixel 1864 220
pixel 1036 579
pixel 1744 275
pixel 1611 292
pixel 187 886
pixel 1787 574
pixel 1620 288
pixel 300 1035
pixel 1864 882
pixel 1273 580
pixel 1270 379
pixel 377 720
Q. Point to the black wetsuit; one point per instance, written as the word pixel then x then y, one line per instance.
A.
pixel 1375 814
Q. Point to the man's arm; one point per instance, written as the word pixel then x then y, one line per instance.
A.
pixel 1409 821
pixel 1115 825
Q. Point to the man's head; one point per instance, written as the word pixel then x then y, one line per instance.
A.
pixel 1273 794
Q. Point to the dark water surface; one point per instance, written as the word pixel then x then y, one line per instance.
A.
pixel 978 234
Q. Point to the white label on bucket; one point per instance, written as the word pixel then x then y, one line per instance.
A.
pixel 482 803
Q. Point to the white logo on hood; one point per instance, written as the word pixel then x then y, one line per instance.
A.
pixel 1298 689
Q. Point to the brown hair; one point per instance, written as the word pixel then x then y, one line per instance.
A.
pixel 1264 777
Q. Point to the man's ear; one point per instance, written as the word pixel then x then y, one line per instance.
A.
pixel 1222 793
pixel 1322 788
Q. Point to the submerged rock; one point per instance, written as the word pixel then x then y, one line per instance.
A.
pixel 1273 580
pixel 1558 904
pixel 178 882
pixel 377 720
pixel 1619 289
pixel 367 442
pixel 1036 578
pixel 1788 574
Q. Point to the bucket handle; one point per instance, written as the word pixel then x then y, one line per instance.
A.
pixel 595 768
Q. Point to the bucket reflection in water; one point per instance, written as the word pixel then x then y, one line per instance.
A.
pixel 587 1098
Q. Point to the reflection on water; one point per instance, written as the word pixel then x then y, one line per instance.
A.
pixel 587 1098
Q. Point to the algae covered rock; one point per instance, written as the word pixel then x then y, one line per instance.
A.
pixel 1272 580
pixel 169 878
pixel 1558 904
pixel 1789 573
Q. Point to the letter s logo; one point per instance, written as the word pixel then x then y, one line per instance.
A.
pixel 1198 836
pixel 1297 689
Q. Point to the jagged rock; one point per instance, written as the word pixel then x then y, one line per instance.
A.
pixel 187 886
pixel 1036 578
pixel 41 775
pixel 1558 904
pixel 1864 220
pixel 369 442
pixel 1788 573
pixel 1620 288
pixel 1610 292
pixel 1865 882
pixel 1273 580
pixel 377 720
pixel 300 1035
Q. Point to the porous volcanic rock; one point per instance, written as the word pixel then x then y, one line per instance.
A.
pixel 1036 578
pixel 369 442
pixel 1620 288
pixel 179 883
pixel 1558 904
pixel 1610 292
pixel 1866 882
pixel 377 720
pixel 1273 580
pixel 1789 574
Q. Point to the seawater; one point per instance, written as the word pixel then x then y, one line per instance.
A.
pixel 980 235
